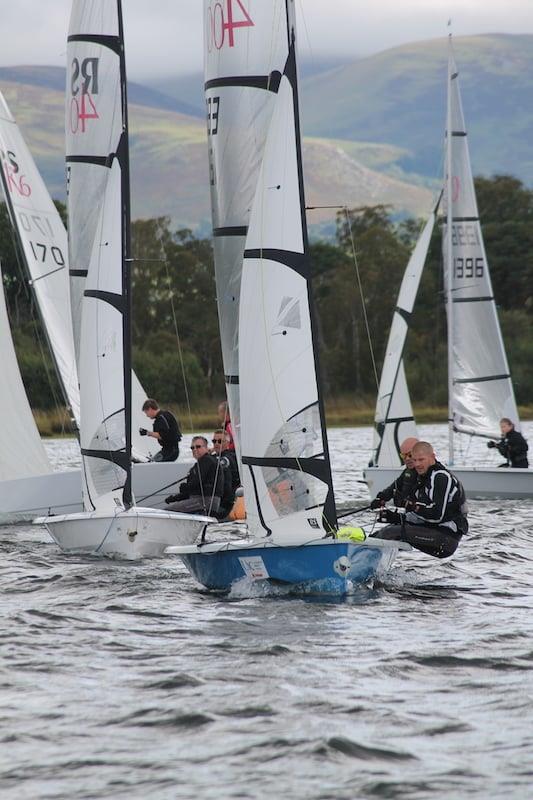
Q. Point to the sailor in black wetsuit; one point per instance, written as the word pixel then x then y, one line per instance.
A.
pixel 405 483
pixel 435 518
pixel 165 430
pixel 512 446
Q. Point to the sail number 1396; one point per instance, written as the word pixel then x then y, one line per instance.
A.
pixel 468 267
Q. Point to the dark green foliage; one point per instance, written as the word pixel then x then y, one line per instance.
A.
pixel 174 304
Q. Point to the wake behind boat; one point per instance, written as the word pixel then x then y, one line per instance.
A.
pixel 266 320
pixel 480 389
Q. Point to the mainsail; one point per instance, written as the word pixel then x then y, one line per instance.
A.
pixel 43 243
pixel 94 122
pixel 21 450
pixel 481 390
pixel 394 419
pixel 246 45
pixel 98 158
pixel 286 469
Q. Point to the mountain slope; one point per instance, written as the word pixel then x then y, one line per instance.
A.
pixel 169 160
pixel 399 97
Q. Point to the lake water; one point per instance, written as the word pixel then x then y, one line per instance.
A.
pixel 128 681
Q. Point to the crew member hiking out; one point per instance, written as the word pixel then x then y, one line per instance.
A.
pixel 435 514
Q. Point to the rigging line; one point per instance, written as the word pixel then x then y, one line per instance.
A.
pixel 180 350
pixel 365 316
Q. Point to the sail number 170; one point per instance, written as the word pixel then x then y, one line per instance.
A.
pixel 468 267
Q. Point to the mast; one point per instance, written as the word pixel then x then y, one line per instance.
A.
pixel 329 512
pixel 123 156
pixel 448 266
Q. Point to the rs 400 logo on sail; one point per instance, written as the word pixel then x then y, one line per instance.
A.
pixel 84 89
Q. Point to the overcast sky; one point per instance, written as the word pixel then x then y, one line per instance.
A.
pixel 165 36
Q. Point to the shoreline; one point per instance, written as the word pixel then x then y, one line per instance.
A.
pixel 55 424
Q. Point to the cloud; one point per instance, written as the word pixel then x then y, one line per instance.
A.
pixel 164 37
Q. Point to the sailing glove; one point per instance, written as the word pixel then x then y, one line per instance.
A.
pixel 143 432
pixel 172 498
pixel 377 502
pixel 491 444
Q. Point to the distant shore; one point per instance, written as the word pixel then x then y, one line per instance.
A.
pixel 338 415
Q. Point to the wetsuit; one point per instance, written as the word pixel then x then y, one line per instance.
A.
pixel 437 519
pixel 401 488
pixel 166 425
pixel 201 490
pixel 514 448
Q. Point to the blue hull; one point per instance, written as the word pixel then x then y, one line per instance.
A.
pixel 325 568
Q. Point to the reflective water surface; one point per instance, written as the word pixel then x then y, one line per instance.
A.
pixel 127 680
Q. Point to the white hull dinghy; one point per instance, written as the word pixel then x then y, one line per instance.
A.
pixel 97 129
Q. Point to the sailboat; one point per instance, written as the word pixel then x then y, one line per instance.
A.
pixel 28 485
pixel 291 517
pixel 111 524
pixel 480 389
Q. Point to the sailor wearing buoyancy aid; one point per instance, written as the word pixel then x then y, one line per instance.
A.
pixel 435 518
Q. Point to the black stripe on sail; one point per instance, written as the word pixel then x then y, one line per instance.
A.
pixel 483 379
pixel 472 299
pixel 111 42
pixel 405 315
pixel 101 161
pixel 115 300
pixel 268 82
pixel 299 262
pixel 117 457
pixel 465 219
pixel 391 420
pixel 232 379
pixel 458 133
pixel 78 273
pixel 317 467
pixel 231 230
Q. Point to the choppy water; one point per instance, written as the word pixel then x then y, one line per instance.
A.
pixel 126 680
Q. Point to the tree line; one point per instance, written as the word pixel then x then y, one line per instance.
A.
pixel 176 347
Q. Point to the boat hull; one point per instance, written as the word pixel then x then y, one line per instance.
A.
pixel 479 483
pixel 132 534
pixel 325 566
pixel 60 492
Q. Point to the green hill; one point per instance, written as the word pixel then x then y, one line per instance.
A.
pixel 169 156
pixel 399 97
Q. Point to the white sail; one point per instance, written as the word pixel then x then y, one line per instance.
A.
pixel 93 125
pixel 99 230
pixel 286 471
pixel 246 44
pixel 43 241
pixel 394 420
pixel 22 451
pixel 481 390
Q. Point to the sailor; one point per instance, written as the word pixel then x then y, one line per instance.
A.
pixel 404 485
pixel 228 464
pixel 435 515
pixel 202 489
pixel 165 429
pixel 512 446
